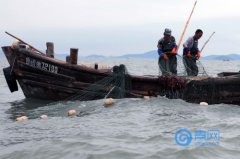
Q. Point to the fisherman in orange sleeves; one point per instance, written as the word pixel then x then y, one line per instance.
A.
pixel 191 53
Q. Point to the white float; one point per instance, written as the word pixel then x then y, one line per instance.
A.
pixel 203 103
pixel 44 117
pixel 146 97
pixel 72 112
pixel 108 102
pixel 22 118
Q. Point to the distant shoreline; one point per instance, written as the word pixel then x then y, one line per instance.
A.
pixel 151 55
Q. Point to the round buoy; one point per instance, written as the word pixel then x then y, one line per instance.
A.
pixel 44 117
pixel 72 112
pixel 203 103
pixel 22 118
pixel 146 97
pixel 108 102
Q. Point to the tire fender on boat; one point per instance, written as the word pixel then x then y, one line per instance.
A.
pixel 11 79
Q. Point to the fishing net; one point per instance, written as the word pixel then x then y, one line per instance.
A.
pixel 193 67
pixel 115 86
pixel 201 69
pixel 182 68
pixel 166 70
pixel 118 84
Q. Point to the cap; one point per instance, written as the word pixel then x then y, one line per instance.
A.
pixel 167 31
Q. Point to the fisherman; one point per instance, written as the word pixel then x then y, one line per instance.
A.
pixel 167 47
pixel 191 53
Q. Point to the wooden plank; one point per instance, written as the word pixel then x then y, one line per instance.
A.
pixel 224 74
pixel 50 86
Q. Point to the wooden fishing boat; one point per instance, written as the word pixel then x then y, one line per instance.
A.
pixel 43 77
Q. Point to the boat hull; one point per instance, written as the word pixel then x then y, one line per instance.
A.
pixel 43 77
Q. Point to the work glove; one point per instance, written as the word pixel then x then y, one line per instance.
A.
pixel 198 55
pixel 165 57
pixel 174 50
pixel 189 54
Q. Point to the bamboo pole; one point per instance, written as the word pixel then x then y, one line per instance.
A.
pixel 186 25
pixel 207 42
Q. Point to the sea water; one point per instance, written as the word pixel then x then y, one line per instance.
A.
pixel 131 128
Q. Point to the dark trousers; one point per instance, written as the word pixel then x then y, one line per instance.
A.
pixel 168 67
pixel 163 66
pixel 173 64
pixel 190 66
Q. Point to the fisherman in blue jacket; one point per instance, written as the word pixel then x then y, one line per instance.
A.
pixel 191 53
pixel 167 47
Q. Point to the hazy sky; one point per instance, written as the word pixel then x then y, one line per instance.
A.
pixel 116 27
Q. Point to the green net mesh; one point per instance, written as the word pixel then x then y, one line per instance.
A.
pixel 115 86
pixel 184 67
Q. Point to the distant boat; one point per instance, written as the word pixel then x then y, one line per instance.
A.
pixel 43 77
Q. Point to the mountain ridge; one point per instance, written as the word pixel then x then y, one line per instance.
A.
pixel 150 55
pixel 154 54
